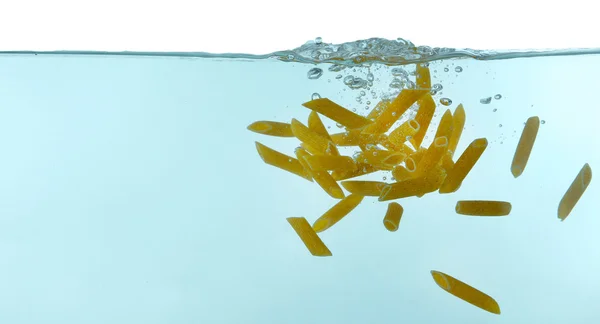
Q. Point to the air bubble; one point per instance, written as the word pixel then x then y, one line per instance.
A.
pixel 318 40
pixel 339 125
pixel 349 79
pixel 290 160
pixel 366 107
pixel 458 69
pixel 370 77
pixel 399 72
pixel 339 76
pixel 357 83
pixel 353 109
pixel 495 109
pixel 437 87
pixel 446 101
pixel 446 69
pixel 543 121
pixel 384 178
pixel 362 93
pixel 485 101
pixel 336 67
pixel 499 125
pixel 315 96
pixel 314 73
pixel 498 97
pixel 368 103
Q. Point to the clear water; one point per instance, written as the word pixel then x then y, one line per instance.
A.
pixel 132 192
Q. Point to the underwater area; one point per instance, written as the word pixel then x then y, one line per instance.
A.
pixel 133 189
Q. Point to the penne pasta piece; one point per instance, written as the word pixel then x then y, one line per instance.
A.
pixel 337 212
pixel 337 113
pixel 384 141
pixel 309 237
pixel 458 119
pixel 381 106
pixel 423 76
pixel 401 173
pixel 483 208
pixel 432 156
pixel 282 161
pixel 463 165
pixel 403 132
pixel 313 142
pixel 575 191
pixel 309 149
pixel 446 125
pixel 322 178
pixel 271 128
pixel 391 221
pixel 330 162
pixel 364 188
pixel 394 111
pixel 352 138
pixel 418 155
pixel 465 292
pixel 423 117
pixel 447 163
pixel 415 186
pixel 525 146
pixel 410 165
pixel 382 159
pixel 316 125
pixel 362 169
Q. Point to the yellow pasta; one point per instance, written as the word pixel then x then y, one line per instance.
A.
pixel 410 164
pixel 465 292
pixel 337 212
pixel 314 143
pixel 483 208
pixel 316 125
pixel 447 162
pixel 415 186
pixel 394 111
pixel 282 161
pixel 330 162
pixel 432 156
pixel 423 117
pixel 463 165
pixel 446 125
pixel 376 111
pixel 337 113
pixel 361 169
pixel 364 188
pixel 401 134
pixel 418 155
pixel 391 221
pixel 309 237
pixel 384 141
pixel 382 159
pixel 458 119
pixel 401 173
pixel 271 128
pixel 322 178
pixel 575 191
pixel 423 76
pixel 525 146
pixel 352 138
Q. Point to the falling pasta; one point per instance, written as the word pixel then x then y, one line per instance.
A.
pixel 575 191
pixel 337 113
pixel 465 292
pixel 483 208
pixel 464 164
pixel 309 237
pixel 337 212
pixel 391 221
pixel 525 146
pixel 282 161
pixel 364 188
pixel 271 128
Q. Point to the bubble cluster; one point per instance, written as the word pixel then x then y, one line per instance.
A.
pixel 485 101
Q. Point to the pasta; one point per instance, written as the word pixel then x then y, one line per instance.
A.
pixel 337 113
pixel 322 178
pixel 337 212
pixel 330 162
pixel 447 162
pixel 575 191
pixel 458 119
pixel 364 188
pixel 309 237
pixel 271 128
pixel 403 132
pixel 415 186
pixel 483 208
pixel 423 76
pixel 525 146
pixel 401 173
pixel 465 292
pixel 361 169
pixel 282 161
pixel 376 111
pixel 316 125
pixel 446 125
pixel 463 165
pixel 382 159
pixel 394 110
pixel 423 117
pixel 393 216
pixel 352 138
pixel 432 156
pixel 313 142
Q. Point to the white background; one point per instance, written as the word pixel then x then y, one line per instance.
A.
pixel 259 27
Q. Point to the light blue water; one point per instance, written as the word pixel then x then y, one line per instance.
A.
pixel 132 193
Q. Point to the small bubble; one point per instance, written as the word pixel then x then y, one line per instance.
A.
pixel 339 76
pixel 339 125
pixel 357 83
pixel 375 153
pixel 290 56
pixel 485 101
pixel 370 77
pixel 318 40
pixel 446 101
pixel 495 109
pixel 290 160
pixel 393 179
pixel 353 109
pixel 358 99
pixel 362 93
pixel 433 92
pixel 501 142
pixel 399 72
pixel 498 97
pixel 410 85
pixel 336 67
pixel 446 69
pixel 328 127
pixel 458 69
pixel 543 121
pixel 315 96
pixel 499 125
pixel 394 113
pixel 366 107
pixel 368 102
pixel 384 178
pixel 437 87
pixel 314 73
pixel 348 80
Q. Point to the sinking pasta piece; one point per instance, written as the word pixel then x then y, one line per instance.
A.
pixel 361 169
pixel 423 117
pixel 418 155
pixel 401 173
pixel 309 237
pixel 432 156
pixel 353 137
pixel 330 162
pixel 394 111
pixel 337 113
pixel 463 165
pixel 316 125
pixel 384 141
pixel 393 216
pixel 423 76
pixel 465 292
pixel 403 132
pixel 364 188
pixel 282 161
pixel 382 159
pixel 322 178
pixel 483 208
pixel 337 212
pixel 376 111
pixel 271 128
pixel 415 186
pixel 458 119
pixel 447 162
pixel 446 125
pixel 525 146
pixel 314 143
pixel 410 164
pixel 575 191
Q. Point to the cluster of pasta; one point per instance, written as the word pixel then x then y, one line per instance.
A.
pixel 416 170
